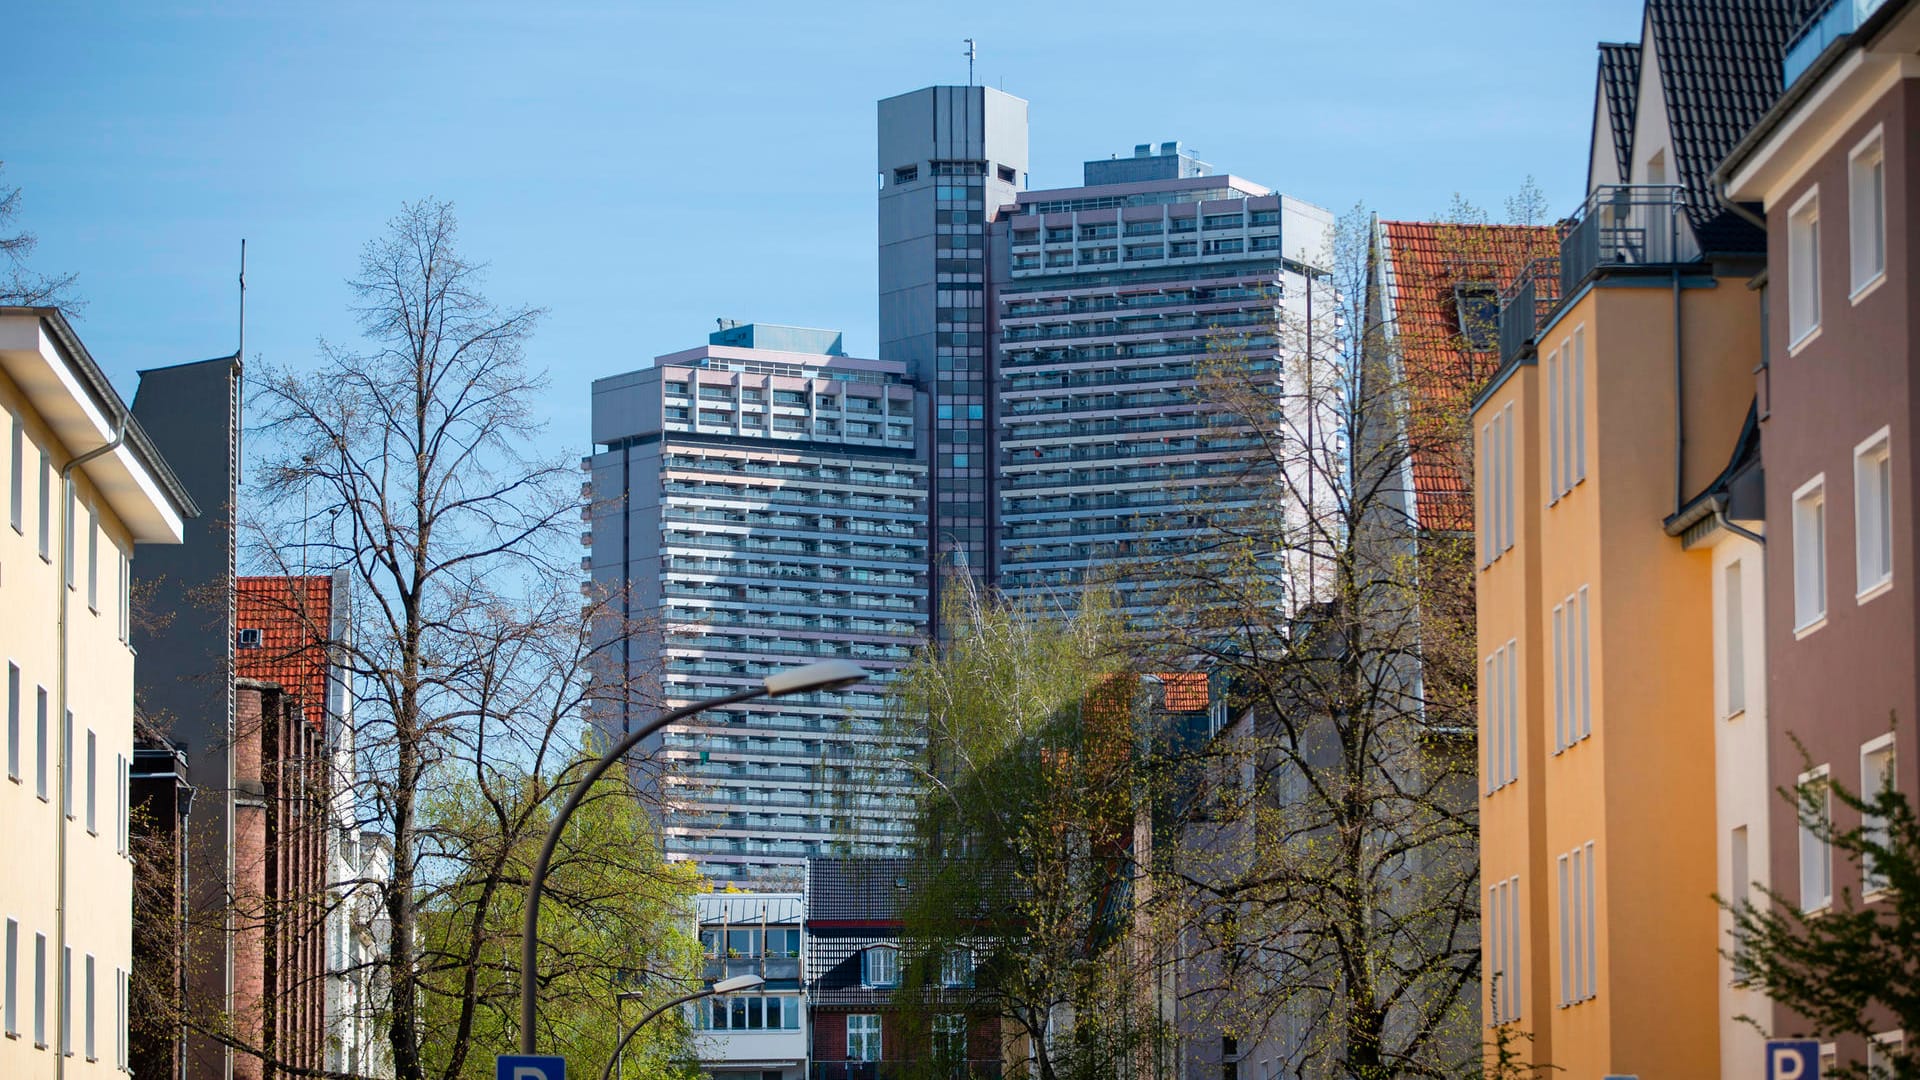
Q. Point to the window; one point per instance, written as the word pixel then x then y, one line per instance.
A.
pixel 120 1019
pixel 1502 724
pixel 1867 212
pixel 1577 428
pixel 734 1012
pixel 93 819
pixel 1873 515
pixel 950 1037
pixel 1579 952
pixel 1882 1051
pixel 1740 881
pixel 956 967
pixel 1553 427
pixel 1560 737
pixel 1503 950
pixel 1488 515
pixel 1572 671
pixel 1803 267
pixel 40 742
pixel 125 595
pixel 93 562
pixel 1506 478
pixel 1497 484
pixel 880 966
pixel 10 1008
pixel 40 991
pixel 66 1000
pixel 13 722
pixel 906 174
pixel 86 1014
pixel 46 507
pixel 1876 777
pixel 17 474
pixel 863 1037
pixel 72 532
pixel 1816 853
pixel 1810 554
pixel 66 767
pixel 1733 608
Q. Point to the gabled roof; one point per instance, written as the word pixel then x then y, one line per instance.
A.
pixel 1719 63
pixel 294 616
pixel 1422 262
pixel 1619 88
pixel 858 890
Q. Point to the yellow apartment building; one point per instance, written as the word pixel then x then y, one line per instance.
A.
pixel 1626 383
pixel 80 485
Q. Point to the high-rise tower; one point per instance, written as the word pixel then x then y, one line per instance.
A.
pixel 950 158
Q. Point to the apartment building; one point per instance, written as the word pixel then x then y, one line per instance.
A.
pixel 1618 414
pixel 1107 298
pixel 760 1034
pixel 1832 168
pixel 950 157
pixel 756 508
pixel 83 485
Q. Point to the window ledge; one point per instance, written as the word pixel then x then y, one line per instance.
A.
pixel 1804 340
pixel 1822 908
pixel 1736 713
pixel 1804 629
pixel 1872 286
pixel 1877 894
pixel 1879 588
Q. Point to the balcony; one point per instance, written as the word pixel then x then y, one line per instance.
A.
pixel 1524 307
pixel 771 968
pixel 887 1070
pixel 1625 225
pixel 1835 20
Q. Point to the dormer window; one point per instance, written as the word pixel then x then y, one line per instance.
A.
pixel 956 967
pixel 1476 308
pixel 880 966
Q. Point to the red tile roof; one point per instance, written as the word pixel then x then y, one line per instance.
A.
pixel 1424 261
pixel 293 615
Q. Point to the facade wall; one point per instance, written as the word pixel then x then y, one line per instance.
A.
pixel 1743 795
pixel 1849 678
pixel 1619 829
pixel 99 694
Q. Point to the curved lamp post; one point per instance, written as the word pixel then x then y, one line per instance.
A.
pixel 724 986
pixel 826 675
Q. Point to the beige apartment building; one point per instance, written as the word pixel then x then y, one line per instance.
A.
pixel 81 486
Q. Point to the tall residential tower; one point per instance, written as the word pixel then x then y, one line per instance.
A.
pixel 761 502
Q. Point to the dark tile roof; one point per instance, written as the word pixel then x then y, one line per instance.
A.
pixel 1620 85
pixel 858 890
pixel 1720 67
pixel 833 967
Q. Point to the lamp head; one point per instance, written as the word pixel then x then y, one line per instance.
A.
pixel 737 983
pixel 825 675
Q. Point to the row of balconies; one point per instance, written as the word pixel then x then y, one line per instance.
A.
pixel 905 476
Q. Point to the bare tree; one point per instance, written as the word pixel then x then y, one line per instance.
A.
pixel 474 660
pixel 20 285
pixel 1331 884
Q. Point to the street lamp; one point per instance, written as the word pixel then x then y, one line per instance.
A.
pixel 724 986
pixel 826 675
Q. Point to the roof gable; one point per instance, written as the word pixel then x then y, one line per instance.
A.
pixel 1719 72
pixel 294 618
pixel 1617 90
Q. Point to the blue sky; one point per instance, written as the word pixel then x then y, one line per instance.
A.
pixel 641 170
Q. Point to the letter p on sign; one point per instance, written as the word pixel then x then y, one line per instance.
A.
pixel 529 1067
pixel 1793 1059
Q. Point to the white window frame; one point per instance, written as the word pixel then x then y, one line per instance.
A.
pixel 868 975
pixel 93 560
pixel 1487 513
pixel 1871 882
pixel 1578 428
pixel 13 721
pixel 10 1007
pixel 1867 214
pixel 1803 269
pixel 1733 610
pixel 1877 1069
pixel 1873 515
pixel 1506 478
pixel 949 1037
pixel 46 508
pixel 17 474
pixel 956 967
pixel 1553 426
pixel 867 1032
pixel 40 991
pixel 1816 854
pixel 1561 731
pixel 1586 662
pixel 1513 710
pixel 88 1044
pixel 93 784
pixel 1810 556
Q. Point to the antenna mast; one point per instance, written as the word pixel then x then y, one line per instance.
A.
pixel 241 353
pixel 973 53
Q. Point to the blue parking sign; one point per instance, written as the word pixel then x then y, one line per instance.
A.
pixel 1793 1059
pixel 529 1067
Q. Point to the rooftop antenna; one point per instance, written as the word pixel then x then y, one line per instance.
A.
pixel 241 352
pixel 973 53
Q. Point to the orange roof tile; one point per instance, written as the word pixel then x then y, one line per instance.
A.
pixel 1425 261
pixel 293 615
pixel 1184 691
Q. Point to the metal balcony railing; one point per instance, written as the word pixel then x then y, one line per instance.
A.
pixel 886 1070
pixel 1833 21
pixel 1525 305
pixel 1625 225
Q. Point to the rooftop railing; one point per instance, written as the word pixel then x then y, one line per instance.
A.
pixel 1625 225
pixel 1834 20
pixel 1525 305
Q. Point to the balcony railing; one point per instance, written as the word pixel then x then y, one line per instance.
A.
pixel 1837 19
pixel 1524 307
pixel 886 1070
pixel 1625 225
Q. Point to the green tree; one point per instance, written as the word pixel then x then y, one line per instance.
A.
pixel 1029 873
pixel 1853 968
pixel 616 917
